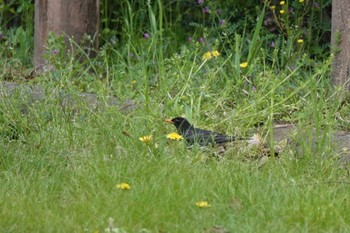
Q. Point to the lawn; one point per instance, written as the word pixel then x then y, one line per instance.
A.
pixel 71 156
pixel 60 174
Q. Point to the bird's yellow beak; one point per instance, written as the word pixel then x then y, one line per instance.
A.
pixel 169 121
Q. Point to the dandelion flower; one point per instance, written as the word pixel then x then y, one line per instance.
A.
pixel 215 53
pixel 124 186
pixel 207 56
pixel 202 204
pixel 301 1
pixel 174 136
pixel 146 138
pixel 272 7
pixel 282 12
pixel 300 41
pixel 210 55
pixel 282 3
pixel 244 65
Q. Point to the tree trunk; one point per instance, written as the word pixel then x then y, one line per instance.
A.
pixel 341 44
pixel 73 18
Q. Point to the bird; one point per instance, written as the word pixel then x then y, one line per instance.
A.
pixel 194 135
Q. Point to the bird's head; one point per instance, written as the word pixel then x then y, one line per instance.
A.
pixel 180 123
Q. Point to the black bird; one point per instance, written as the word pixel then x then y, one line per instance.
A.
pixel 194 135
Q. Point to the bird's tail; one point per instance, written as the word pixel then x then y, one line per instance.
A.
pixel 226 139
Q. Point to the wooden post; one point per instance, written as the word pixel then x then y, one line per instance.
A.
pixel 341 44
pixel 71 17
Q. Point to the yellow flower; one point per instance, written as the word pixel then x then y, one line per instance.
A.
pixel 282 12
pixel 272 7
pixel 207 56
pixel 215 53
pixel 300 41
pixel 282 3
pixel 174 136
pixel 210 55
pixel 244 65
pixel 301 1
pixel 146 138
pixel 202 204
pixel 123 186
pixel 132 83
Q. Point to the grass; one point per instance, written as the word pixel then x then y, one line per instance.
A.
pixel 60 166
pixel 60 175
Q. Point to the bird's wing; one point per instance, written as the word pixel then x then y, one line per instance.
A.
pixel 205 137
